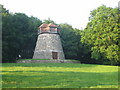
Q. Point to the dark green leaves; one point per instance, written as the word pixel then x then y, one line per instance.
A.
pixel 19 34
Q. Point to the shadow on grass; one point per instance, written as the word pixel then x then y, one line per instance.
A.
pixel 49 79
pixel 47 65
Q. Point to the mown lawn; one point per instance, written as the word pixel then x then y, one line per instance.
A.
pixel 58 75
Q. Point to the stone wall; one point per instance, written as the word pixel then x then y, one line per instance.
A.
pixel 46 44
pixel 47 61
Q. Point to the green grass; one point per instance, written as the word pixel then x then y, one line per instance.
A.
pixel 59 75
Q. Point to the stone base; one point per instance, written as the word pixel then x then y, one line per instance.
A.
pixel 47 61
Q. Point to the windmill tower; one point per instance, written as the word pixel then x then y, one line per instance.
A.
pixel 48 44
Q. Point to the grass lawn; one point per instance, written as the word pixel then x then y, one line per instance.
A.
pixel 58 75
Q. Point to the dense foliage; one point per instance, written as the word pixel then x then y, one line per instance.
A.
pixel 19 33
pixel 70 41
pixel 102 35
pixel 97 43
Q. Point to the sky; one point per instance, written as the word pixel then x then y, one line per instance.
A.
pixel 73 12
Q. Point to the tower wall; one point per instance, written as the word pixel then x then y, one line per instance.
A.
pixel 48 46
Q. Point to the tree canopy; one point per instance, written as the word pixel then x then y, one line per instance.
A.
pixel 102 34
pixel 19 33
pixel 98 43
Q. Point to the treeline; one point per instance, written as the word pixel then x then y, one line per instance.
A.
pixel 19 34
pixel 98 43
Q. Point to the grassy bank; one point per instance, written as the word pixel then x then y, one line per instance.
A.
pixel 59 75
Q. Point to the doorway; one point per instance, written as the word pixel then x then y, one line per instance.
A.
pixel 55 55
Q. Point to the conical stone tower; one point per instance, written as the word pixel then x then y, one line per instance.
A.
pixel 48 44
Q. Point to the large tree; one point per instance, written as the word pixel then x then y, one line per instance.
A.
pixel 19 33
pixel 102 34
pixel 70 40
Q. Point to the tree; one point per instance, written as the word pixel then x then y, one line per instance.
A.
pixel 102 34
pixel 27 49
pixel 19 34
pixel 70 41
pixel 48 21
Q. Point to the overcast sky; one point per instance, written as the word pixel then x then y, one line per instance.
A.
pixel 73 12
